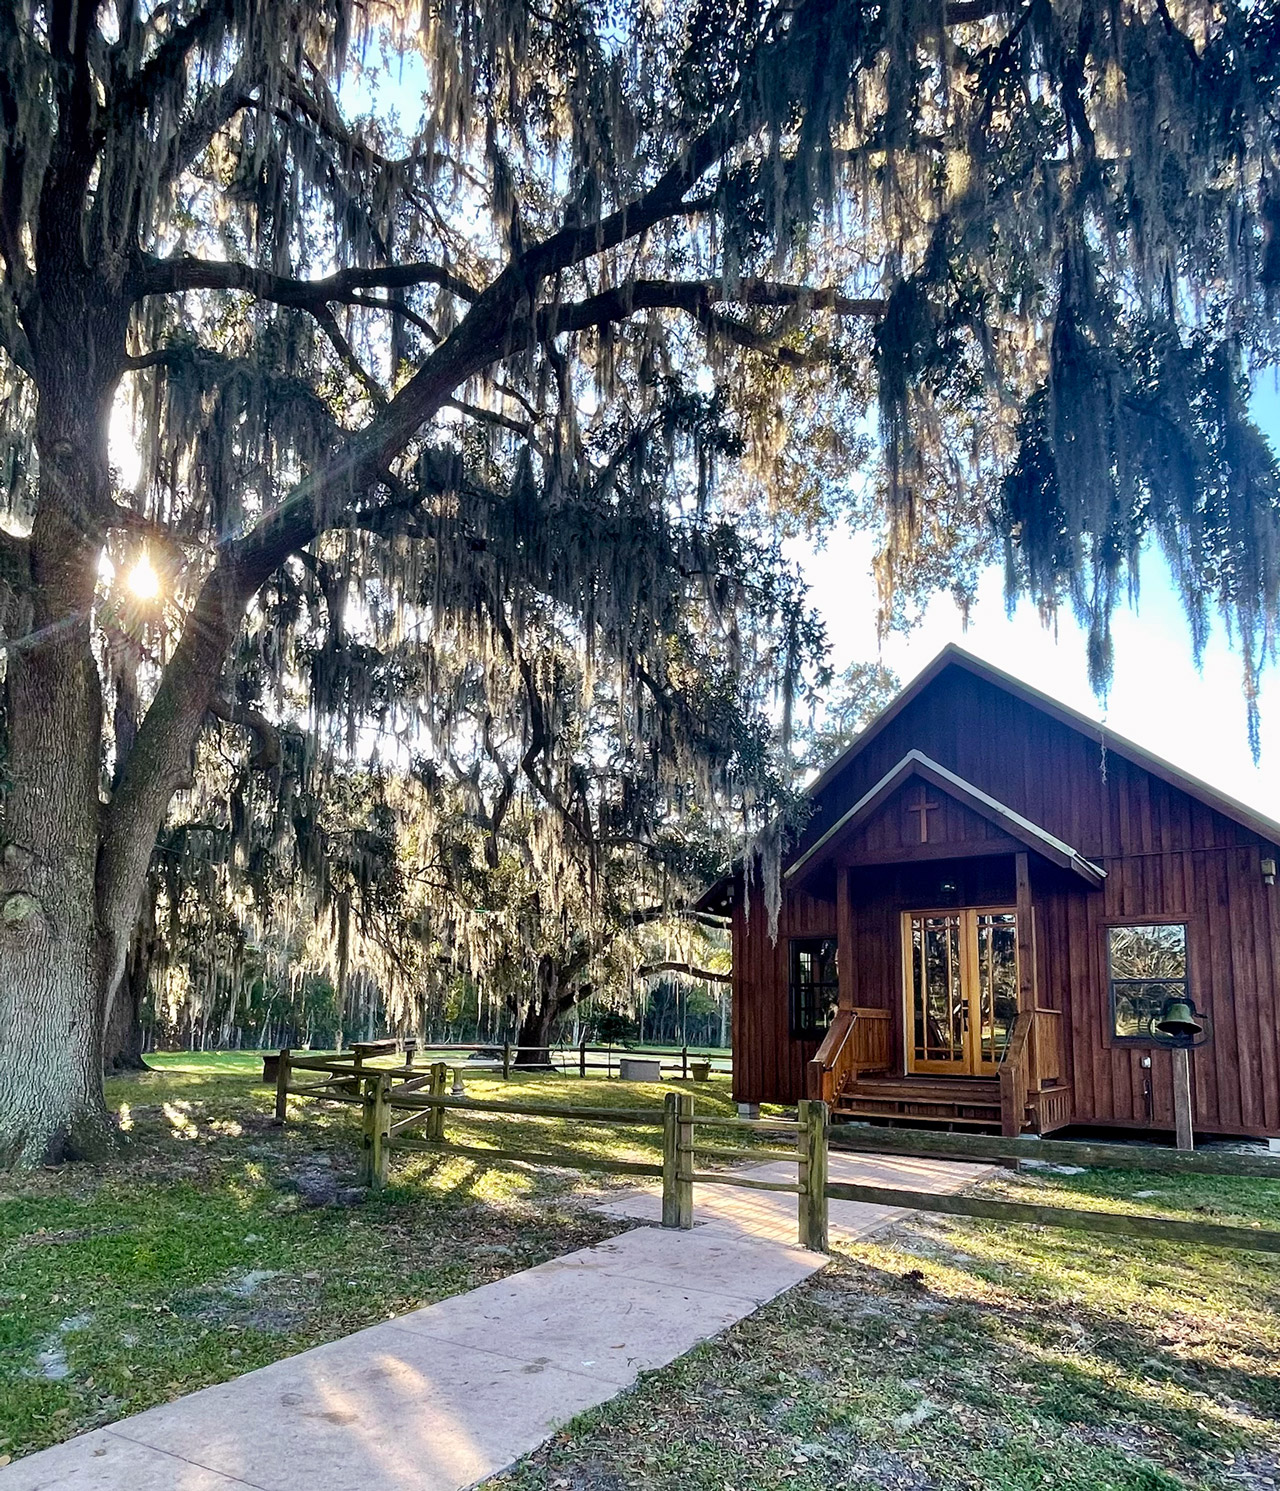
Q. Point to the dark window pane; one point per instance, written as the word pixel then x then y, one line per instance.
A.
pixel 815 986
pixel 813 960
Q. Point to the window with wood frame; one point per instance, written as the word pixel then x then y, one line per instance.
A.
pixel 815 986
pixel 1146 967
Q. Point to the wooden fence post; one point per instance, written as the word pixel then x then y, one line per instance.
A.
pixel 1182 1106
pixel 582 1055
pixel 353 1086
pixel 377 1123
pixel 684 1063
pixel 811 1142
pixel 282 1085
pixel 684 1171
pixel 506 1061
pixel 671 1160
pixel 439 1079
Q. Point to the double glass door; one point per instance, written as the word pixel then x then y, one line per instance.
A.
pixel 961 989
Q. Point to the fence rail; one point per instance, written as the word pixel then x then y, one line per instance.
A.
pixel 689 1061
pixel 933 1144
pixel 1125 1224
pixel 423 1101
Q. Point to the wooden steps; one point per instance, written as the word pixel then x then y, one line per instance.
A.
pixel 963 1102
pixel 948 1100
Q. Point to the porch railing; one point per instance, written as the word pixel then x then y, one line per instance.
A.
pixel 1031 1073
pixel 856 1041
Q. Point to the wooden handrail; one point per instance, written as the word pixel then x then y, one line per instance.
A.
pixel 824 1061
pixel 1014 1074
pixel 857 1040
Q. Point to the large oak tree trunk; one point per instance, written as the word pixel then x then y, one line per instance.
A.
pixel 554 996
pixel 57 954
pixel 536 1033
pixel 51 949
pixel 122 1036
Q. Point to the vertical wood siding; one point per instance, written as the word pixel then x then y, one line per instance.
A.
pixel 768 1066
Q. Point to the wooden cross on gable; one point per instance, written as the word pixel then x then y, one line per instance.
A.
pixel 923 807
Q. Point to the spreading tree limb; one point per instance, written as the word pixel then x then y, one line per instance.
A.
pixel 178 275
pixel 704 975
pixel 268 752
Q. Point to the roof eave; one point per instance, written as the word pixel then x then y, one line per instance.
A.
pixel 916 764
pixel 1221 802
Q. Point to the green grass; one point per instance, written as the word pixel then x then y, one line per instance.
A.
pixel 946 1356
pixel 187 1259
pixel 970 1356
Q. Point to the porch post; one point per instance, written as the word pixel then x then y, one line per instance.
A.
pixel 844 940
pixel 1023 1073
pixel 1026 947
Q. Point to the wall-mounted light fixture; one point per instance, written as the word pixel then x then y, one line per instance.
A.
pixel 1268 867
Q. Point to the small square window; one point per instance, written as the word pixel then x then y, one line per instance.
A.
pixel 1146 967
pixel 815 986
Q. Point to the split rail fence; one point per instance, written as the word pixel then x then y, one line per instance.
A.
pixel 581 1058
pixel 404 1112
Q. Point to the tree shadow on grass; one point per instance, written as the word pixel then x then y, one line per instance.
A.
pixel 1004 1343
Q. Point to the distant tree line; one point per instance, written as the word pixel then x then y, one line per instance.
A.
pixel 267 1012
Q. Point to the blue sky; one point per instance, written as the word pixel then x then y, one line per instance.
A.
pixel 1193 718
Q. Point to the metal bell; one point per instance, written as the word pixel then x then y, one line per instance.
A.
pixel 1178 1019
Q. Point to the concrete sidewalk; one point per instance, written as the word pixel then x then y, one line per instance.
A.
pixel 444 1396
